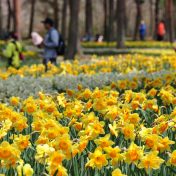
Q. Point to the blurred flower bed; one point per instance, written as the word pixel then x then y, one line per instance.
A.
pixel 26 86
pixel 97 72
pixel 117 64
pixel 129 44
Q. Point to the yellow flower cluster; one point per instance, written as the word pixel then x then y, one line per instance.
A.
pixel 29 53
pixel 119 64
pixel 90 132
pixel 128 44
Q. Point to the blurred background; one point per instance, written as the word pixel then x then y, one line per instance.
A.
pixel 87 20
pixel 101 15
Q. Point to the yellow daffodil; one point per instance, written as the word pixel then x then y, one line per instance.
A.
pixel 172 158
pixel 22 142
pixel 43 152
pixel 27 170
pixel 59 171
pixel 165 144
pixel 151 161
pixel 5 127
pixel 128 131
pixel 133 154
pixel 152 141
pixel 97 159
pixel 117 172
pixel 104 141
pixel 113 154
pixel 113 129
pixel 14 101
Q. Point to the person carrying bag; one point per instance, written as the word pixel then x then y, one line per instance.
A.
pixel 13 51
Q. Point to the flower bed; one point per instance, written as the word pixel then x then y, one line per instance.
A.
pixel 110 116
pixel 105 131
pixel 129 44
pixel 118 64
pixel 24 87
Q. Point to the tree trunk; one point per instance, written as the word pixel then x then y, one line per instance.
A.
pixel 120 23
pixel 17 15
pixel 157 2
pixel 64 18
pixel 89 17
pixel 32 17
pixel 175 15
pixel 56 13
pixel 105 19
pixel 170 19
pixel 111 21
pixel 151 18
pixel 9 15
pixel 138 19
pixel 13 15
pixel 1 17
pixel 73 29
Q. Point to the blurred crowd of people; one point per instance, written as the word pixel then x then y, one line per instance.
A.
pixel 160 31
pixel 88 38
pixel 54 45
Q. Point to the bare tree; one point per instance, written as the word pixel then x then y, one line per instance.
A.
pixel 56 13
pixel 17 16
pixel 157 3
pixel 105 4
pixel 151 17
pixel 111 21
pixel 138 17
pixel 0 17
pixel 120 23
pixel 170 19
pixel 64 18
pixel 89 17
pixel 33 2
pixel 9 16
pixel 73 29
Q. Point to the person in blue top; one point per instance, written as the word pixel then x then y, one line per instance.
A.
pixel 142 30
pixel 50 43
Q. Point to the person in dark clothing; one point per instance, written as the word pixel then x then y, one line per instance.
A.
pixel 142 30
pixel 51 42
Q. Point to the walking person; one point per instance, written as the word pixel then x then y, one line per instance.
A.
pixel 142 30
pixel 51 42
pixel 161 31
pixel 13 51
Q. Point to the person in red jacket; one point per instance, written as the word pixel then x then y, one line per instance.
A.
pixel 161 31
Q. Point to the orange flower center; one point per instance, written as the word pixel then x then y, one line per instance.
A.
pixel 24 144
pixel 173 160
pixel 149 143
pixel 133 155
pixel 63 145
pixel 4 154
pixel 113 154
